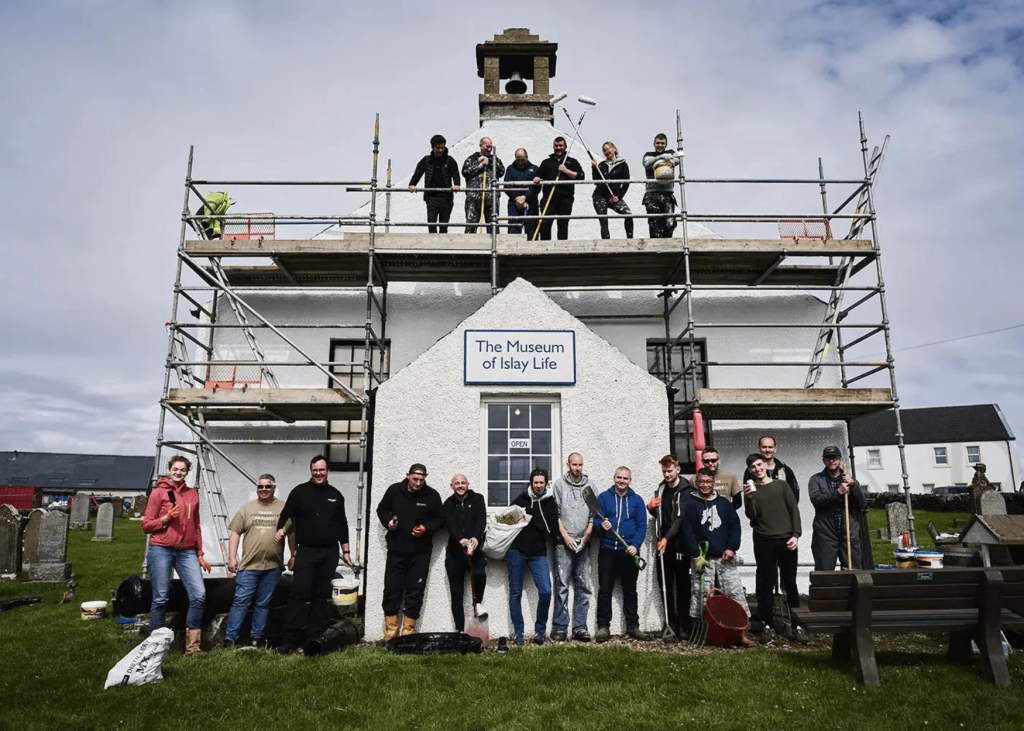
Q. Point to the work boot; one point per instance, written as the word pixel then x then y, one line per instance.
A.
pixel 192 637
pixel 637 634
pixel 390 626
pixel 603 634
pixel 745 641
pixel 800 636
pixel 581 635
pixel 768 635
pixel 408 626
pixel 559 636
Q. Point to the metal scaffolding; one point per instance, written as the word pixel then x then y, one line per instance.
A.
pixel 677 270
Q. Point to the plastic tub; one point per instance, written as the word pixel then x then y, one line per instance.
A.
pixel 345 591
pixel 905 559
pixel 94 610
pixel 929 559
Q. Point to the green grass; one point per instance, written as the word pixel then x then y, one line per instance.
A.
pixel 882 551
pixel 52 667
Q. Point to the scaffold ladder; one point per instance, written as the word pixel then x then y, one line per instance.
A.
pixel 250 337
pixel 834 308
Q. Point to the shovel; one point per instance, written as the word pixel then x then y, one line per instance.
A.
pixel 477 627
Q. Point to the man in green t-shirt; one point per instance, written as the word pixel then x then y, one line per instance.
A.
pixel 257 575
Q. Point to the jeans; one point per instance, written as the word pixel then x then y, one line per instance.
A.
pixel 541 570
pixel 774 558
pixel 186 561
pixel 456 565
pixel 613 564
pixel 258 583
pixel 575 566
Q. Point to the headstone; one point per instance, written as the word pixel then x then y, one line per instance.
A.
pixel 53 549
pixel 991 503
pixel 104 523
pixel 80 512
pixel 10 542
pixel 897 520
pixel 30 538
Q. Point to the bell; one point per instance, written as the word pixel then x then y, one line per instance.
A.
pixel 515 85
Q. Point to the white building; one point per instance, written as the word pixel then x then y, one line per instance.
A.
pixel 752 346
pixel 943 445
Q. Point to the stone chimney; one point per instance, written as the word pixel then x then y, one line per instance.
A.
pixel 519 57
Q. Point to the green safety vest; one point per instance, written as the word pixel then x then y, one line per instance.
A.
pixel 217 204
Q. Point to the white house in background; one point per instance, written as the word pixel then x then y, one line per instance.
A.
pixel 614 410
pixel 943 444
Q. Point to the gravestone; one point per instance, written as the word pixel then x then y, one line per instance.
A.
pixel 53 549
pixel 104 523
pixel 10 542
pixel 991 503
pixel 80 512
pixel 897 520
pixel 30 538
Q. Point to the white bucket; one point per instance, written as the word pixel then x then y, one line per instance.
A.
pixel 929 559
pixel 94 610
pixel 345 591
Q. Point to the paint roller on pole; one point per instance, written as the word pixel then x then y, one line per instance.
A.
pixel 589 101
pixel 547 201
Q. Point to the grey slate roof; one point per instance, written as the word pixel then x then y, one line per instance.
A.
pixel 74 471
pixel 936 425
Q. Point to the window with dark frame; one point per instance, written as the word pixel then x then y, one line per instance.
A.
pixel 941 457
pixel 973 455
pixel 349 353
pixel 520 437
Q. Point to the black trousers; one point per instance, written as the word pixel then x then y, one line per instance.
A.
pixel 474 202
pixel 405 578
pixel 439 210
pixel 560 206
pixel 677 588
pixel 612 565
pixel 456 565
pixel 314 571
pixel 773 559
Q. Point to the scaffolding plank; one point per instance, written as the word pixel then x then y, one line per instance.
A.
pixel 266 404
pixel 798 404
pixel 466 258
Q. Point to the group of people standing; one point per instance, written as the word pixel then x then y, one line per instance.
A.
pixel 540 197
pixel 696 524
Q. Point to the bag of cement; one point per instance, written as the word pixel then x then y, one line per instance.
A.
pixel 502 529
pixel 143 664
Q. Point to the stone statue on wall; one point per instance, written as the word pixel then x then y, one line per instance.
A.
pixel 979 485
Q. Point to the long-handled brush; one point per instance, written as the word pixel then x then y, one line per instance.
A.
pixel 595 508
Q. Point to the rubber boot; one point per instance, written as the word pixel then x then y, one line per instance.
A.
pixel 408 626
pixel 192 637
pixel 745 641
pixel 390 626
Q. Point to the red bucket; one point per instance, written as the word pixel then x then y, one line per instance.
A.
pixel 725 619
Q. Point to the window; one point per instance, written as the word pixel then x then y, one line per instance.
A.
pixel 349 353
pixel 874 459
pixel 87 482
pixel 961 484
pixel 941 458
pixel 973 455
pixel 518 436
pixel 893 488
pixel 55 481
pixel 19 480
pixel 928 486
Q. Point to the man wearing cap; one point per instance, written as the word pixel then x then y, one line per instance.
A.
pixel 828 490
pixel 257 575
pixel 317 509
pixel 411 513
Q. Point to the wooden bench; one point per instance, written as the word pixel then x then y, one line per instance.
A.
pixel 968 603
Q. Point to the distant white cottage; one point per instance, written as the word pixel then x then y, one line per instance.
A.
pixel 660 327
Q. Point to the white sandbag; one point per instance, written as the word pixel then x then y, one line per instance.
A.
pixel 499 536
pixel 143 664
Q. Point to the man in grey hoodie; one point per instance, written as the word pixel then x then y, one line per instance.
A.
pixel 572 552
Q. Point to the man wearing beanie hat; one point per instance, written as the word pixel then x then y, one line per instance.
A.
pixel 827 490
pixel 411 513
pixel 438 170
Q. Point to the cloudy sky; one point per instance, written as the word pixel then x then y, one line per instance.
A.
pixel 100 101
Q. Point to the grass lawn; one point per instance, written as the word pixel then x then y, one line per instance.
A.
pixel 52 668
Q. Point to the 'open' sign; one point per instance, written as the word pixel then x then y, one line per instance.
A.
pixel 518 443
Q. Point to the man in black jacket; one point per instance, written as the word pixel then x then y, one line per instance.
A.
pixel 465 516
pixel 411 512
pixel 558 199
pixel 776 468
pixel 666 506
pixel 317 510
pixel 438 170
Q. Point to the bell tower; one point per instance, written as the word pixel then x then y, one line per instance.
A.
pixel 519 57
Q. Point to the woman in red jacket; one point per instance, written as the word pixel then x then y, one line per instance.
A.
pixel 176 542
